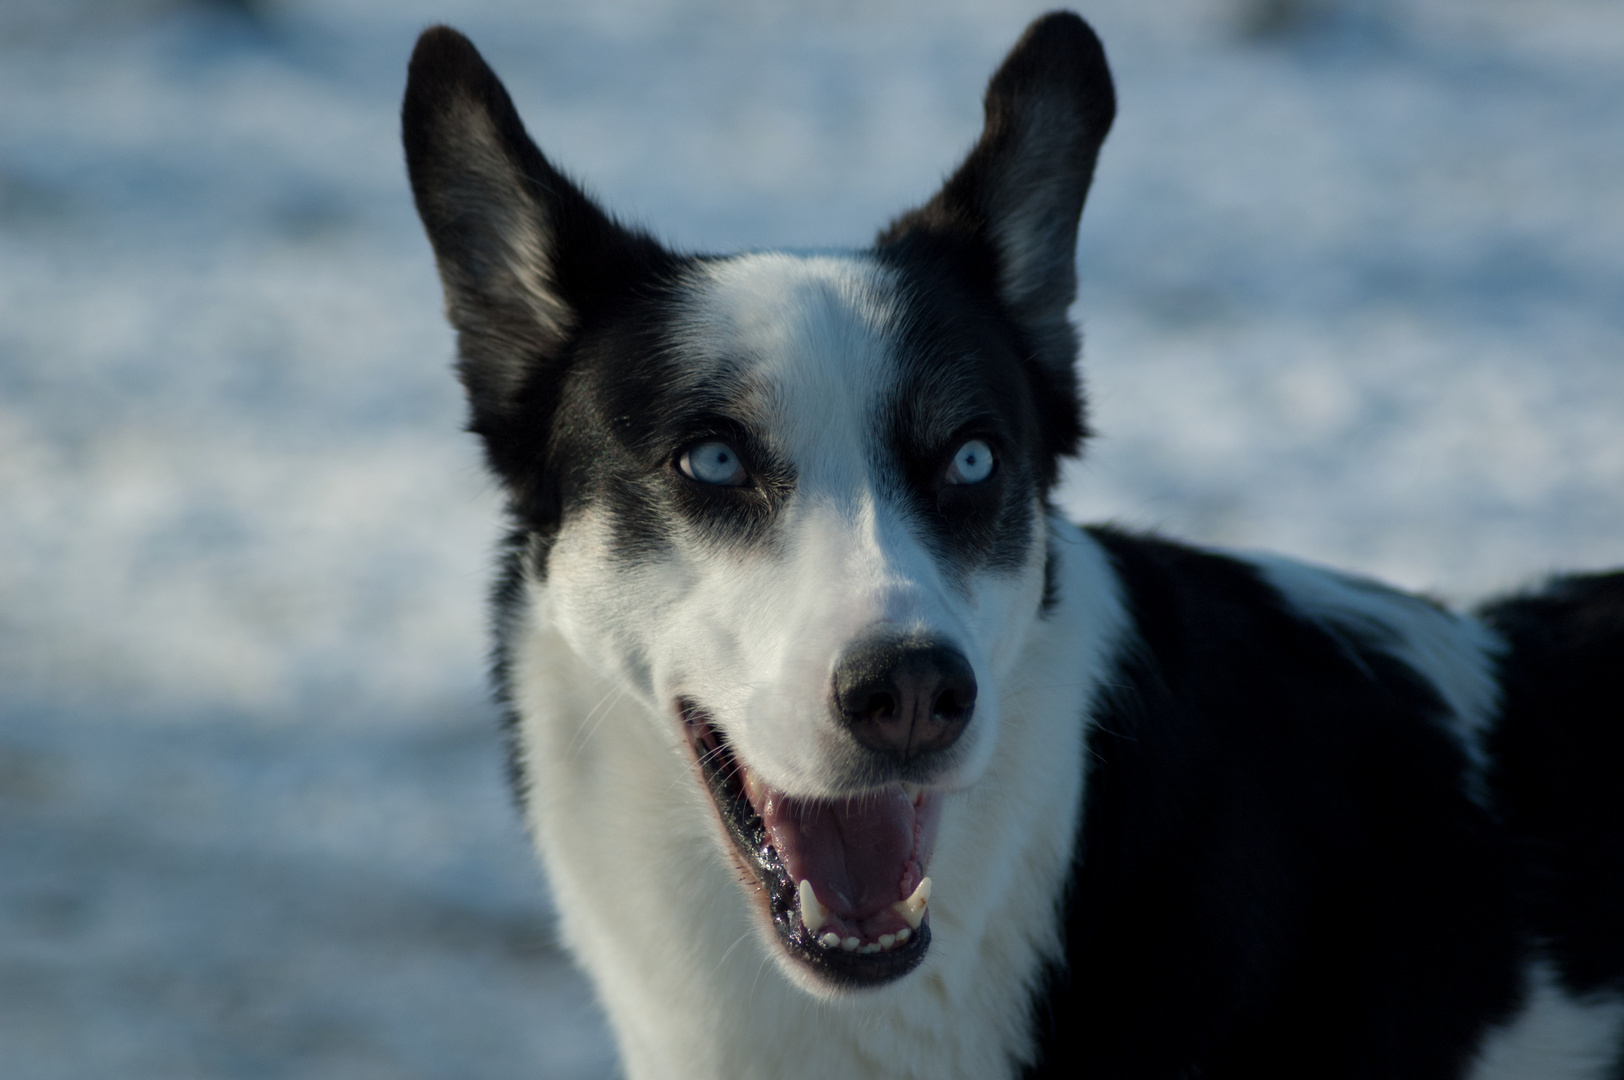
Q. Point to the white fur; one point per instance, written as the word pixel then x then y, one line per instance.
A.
pixel 1555 1036
pixel 684 957
pixel 1456 654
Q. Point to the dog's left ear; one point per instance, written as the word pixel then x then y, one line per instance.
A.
pixel 1010 212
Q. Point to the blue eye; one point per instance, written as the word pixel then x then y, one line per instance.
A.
pixel 712 463
pixel 972 464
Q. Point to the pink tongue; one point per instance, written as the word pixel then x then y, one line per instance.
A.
pixel 861 854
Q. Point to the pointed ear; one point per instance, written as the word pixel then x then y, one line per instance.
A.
pixel 524 256
pixel 1012 208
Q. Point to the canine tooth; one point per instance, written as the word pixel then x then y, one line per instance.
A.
pixel 752 788
pixel 913 908
pixel 849 944
pixel 813 913
pixel 903 935
pixel 911 790
pixel 887 940
pixel 871 947
pixel 829 940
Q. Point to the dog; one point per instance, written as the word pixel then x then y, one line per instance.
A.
pixel 848 756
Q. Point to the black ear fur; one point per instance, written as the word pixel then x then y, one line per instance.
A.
pixel 1008 217
pixel 526 258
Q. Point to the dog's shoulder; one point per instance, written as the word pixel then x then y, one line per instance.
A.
pixel 1283 861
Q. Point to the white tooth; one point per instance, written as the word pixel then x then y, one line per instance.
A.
pixel 813 913
pixel 829 940
pixel 871 947
pixel 752 788
pixel 902 935
pixel 913 908
pixel 849 944
pixel 887 940
pixel 911 790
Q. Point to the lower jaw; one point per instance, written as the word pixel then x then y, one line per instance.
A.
pixel 838 969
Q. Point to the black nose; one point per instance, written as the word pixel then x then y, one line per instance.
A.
pixel 905 696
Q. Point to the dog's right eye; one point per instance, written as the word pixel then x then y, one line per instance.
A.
pixel 712 463
pixel 972 464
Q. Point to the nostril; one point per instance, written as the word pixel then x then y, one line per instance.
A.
pixel 949 705
pixel 880 706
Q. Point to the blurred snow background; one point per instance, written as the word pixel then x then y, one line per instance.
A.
pixel 1353 290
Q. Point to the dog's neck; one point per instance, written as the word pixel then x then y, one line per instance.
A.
pixel 650 899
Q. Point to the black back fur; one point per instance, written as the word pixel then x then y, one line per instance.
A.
pixel 1559 771
pixel 1280 871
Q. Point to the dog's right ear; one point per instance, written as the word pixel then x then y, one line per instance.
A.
pixel 525 257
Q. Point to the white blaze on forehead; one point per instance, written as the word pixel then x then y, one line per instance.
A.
pixel 815 339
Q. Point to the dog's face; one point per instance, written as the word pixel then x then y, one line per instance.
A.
pixel 794 461
pixel 794 503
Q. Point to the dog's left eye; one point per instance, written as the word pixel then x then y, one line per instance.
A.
pixel 712 463
pixel 972 464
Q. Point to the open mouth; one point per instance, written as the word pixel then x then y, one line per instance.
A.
pixel 844 879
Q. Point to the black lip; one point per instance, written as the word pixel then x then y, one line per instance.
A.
pixel 845 970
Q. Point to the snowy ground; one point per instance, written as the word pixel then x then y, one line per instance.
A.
pixel 1353 289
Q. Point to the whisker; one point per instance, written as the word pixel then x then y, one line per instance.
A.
pixel 729 952
pixel 592 720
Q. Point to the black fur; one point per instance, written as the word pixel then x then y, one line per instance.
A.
pixel 961 377
pixel 1558 771
pixel 1280 872
pixel 506 608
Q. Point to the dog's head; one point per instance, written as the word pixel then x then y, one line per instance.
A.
pixel 794 502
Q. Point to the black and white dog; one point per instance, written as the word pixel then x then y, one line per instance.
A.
pixel 848 757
